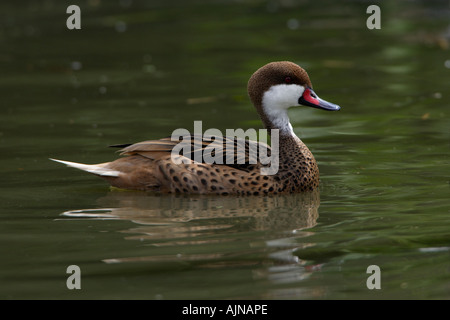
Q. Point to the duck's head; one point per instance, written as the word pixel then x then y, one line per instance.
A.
pixel 278 86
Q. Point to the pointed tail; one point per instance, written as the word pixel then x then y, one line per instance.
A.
pixel 97 169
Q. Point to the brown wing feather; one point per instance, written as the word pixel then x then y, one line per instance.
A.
pixel 244 152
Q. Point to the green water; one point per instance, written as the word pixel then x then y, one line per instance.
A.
pixel 140 69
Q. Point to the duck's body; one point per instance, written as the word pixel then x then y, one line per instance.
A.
pixel 150 165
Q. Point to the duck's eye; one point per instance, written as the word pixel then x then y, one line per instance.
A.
pixel 287 80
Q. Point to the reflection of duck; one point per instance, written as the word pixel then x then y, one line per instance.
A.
pixel 273 89
pixel 281 212
pixel 213 232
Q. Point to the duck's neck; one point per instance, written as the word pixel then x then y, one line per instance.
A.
pixel 273 118
pixel 279 119
pixel 289 143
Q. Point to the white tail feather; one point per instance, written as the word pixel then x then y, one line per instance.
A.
pixel 98 169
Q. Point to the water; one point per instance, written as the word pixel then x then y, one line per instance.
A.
pixel 138 70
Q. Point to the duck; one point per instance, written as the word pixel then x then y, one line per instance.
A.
pixel 273 89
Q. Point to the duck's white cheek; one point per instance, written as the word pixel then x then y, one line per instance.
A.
pixel 282 96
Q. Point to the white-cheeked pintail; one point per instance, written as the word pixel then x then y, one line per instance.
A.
pixel 273 89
